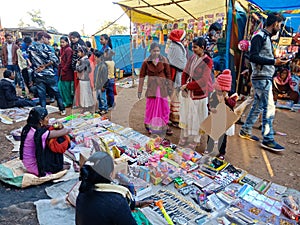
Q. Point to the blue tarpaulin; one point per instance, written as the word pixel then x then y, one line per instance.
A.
pixel 293 19
pixel 121 47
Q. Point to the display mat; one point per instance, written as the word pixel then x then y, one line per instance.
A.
pixel 177 206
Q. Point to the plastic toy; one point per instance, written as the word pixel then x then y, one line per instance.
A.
pixel 159 204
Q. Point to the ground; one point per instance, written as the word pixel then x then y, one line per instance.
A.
pixel 17 206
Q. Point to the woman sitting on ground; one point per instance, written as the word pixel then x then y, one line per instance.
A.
pixel 35 153
pixel 283 88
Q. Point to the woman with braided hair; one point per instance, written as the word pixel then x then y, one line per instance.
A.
pixel 35 152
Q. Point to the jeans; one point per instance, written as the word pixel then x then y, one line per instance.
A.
pixel 47 84
pixel 18 76
pixel 110 92
pixel 263 100
pixel 102 100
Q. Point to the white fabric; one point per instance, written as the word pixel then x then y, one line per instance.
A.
pixel 9 54
pixel 192 114
pixel 230 131
pixel 86 95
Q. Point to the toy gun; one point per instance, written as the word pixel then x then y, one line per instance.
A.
pixel 159 203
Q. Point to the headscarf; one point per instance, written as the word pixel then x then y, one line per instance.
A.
pixel 288 79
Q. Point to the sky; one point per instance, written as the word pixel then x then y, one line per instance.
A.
pixel 64 15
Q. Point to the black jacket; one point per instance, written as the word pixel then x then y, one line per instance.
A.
pixel 8 94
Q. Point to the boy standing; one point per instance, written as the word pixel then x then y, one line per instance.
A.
pixel 100 79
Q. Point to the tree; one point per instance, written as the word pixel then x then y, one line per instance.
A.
pixel 37 18
pixel 23 24
pixel 112 29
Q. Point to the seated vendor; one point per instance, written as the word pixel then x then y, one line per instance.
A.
pixel 283 88
pixel 8 94
pixel 99 201
pixel 35 151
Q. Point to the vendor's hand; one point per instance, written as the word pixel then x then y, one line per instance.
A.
pixel 40 68
pixel 279 62
pixel 139 95
pixel 183 87
pixel 142 204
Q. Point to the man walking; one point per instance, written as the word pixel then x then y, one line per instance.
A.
pixel 262 63
pixel 43 59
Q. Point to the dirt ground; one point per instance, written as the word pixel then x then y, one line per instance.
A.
pixel 283 168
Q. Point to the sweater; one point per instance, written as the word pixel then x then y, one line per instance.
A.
pixel 158 76
pixel 199 79
pixel 83 68
pixel 103 208
pixel 100 75
pixel 5 54
pixel 65 70
pixel 8 94
pixel 262 56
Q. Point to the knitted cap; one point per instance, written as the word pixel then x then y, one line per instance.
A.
pixel 102 163
pixel 223 81
pixel 177 35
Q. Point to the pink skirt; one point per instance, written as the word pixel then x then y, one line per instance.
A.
pixel 157 113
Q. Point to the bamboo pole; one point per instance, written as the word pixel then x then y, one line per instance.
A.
pixel 131 53
pixel 242 54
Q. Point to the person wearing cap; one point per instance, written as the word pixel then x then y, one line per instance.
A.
pixel 42 60
pixel 35 154
pixel 222 88
pixel 177 59
pixel 99 201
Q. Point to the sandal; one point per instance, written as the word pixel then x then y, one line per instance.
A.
pixel 182 141
pixel 192 145
pixel 169 132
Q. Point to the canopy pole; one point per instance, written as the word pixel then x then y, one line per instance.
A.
pixel 131 53
pixel 242 53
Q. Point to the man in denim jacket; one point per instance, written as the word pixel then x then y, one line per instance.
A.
pixel 263 65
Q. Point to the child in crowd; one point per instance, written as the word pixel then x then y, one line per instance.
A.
pixel 22 62
pixel 101 79
pixel 283 88
pixel 108 54
pixel 222 88
pixel 83 68
pixel 8 94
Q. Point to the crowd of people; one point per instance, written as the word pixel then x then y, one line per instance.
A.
pixel 66 75
pixel 195 84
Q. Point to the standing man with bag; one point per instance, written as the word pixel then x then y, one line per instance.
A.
pixel 263 65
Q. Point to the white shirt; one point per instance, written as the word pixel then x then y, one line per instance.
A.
pixel 9 54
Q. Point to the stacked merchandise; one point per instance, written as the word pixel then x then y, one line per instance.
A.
pixel 205 190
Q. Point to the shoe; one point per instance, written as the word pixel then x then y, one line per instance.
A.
pixel 220 156
pixel 103 112
pixel 63 112
pixel 273 146
pixel 239 122
pixel 169 132
pixel 244 135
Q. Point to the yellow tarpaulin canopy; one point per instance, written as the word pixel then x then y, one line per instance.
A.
pixel 153 11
